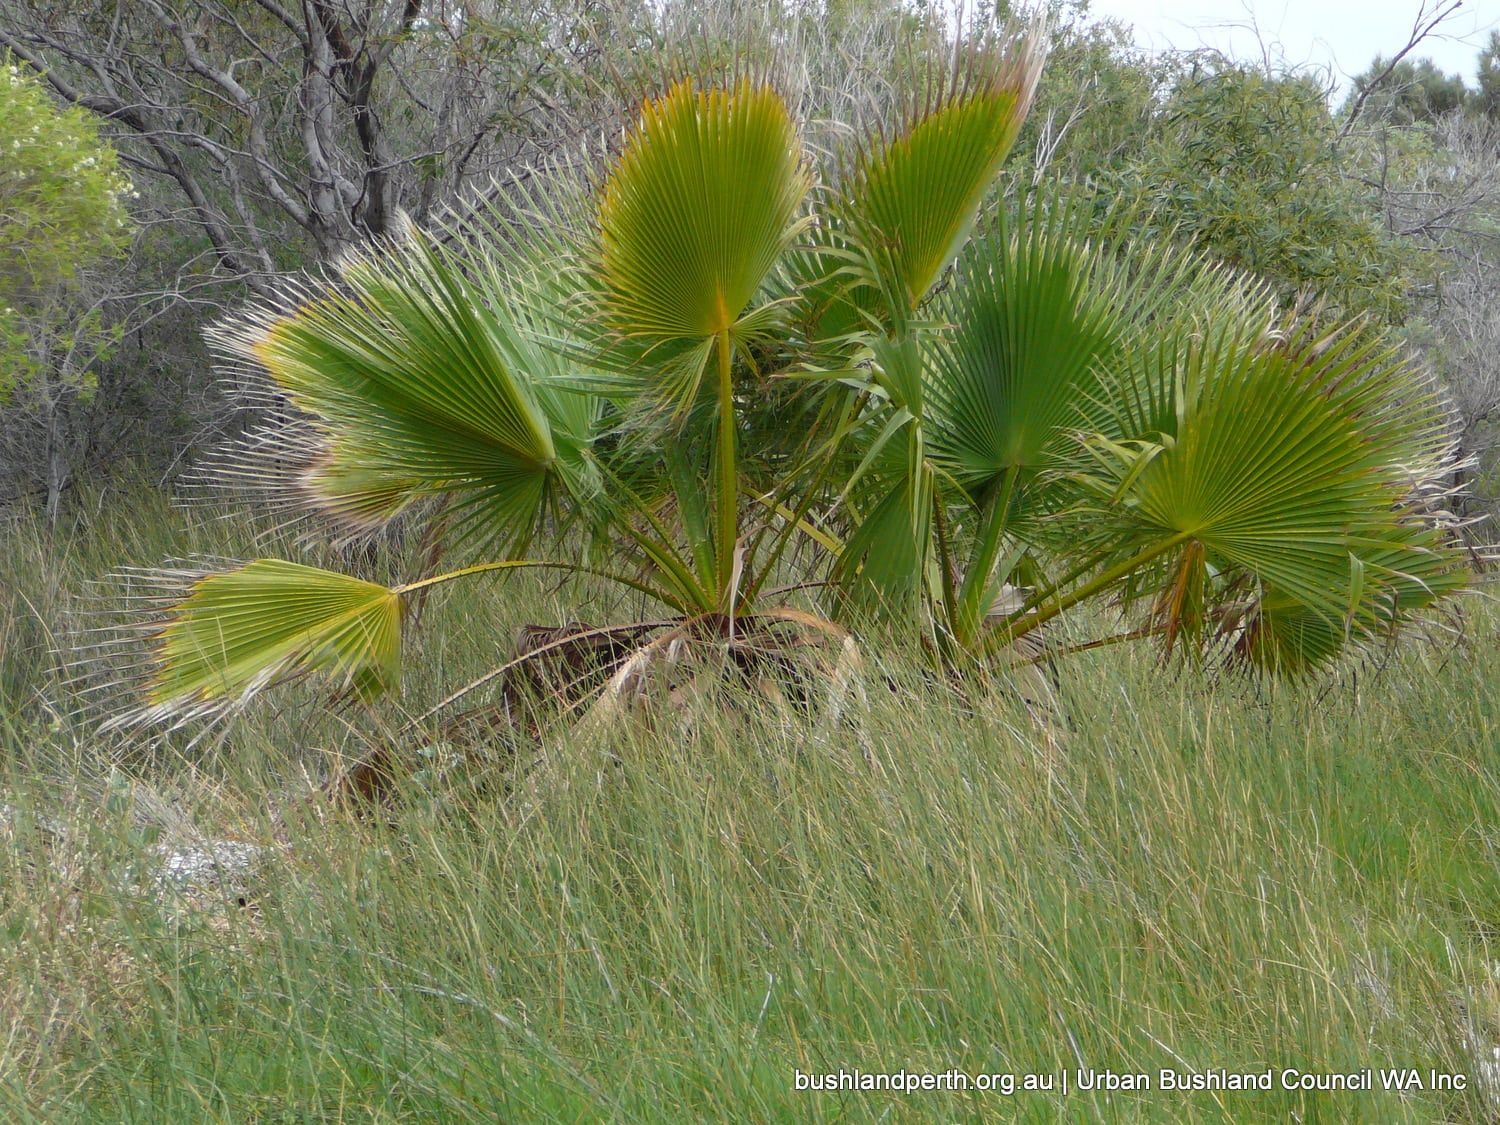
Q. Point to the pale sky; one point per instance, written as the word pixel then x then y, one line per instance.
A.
pixel 1340 36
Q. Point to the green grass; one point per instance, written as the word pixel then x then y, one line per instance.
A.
pixel 1196 875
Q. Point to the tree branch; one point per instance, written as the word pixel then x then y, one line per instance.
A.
pixel 1418 33
pixel 136 119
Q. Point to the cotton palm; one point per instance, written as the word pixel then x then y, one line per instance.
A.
pixel 723 347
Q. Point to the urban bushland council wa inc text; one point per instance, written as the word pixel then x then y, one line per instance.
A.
pixel 1083 1080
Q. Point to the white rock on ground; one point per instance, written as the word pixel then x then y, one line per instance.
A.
pixel 225 865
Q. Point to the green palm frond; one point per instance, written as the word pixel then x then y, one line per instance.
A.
pixel 701 204
pixel 1029 327
pixel 236 633
pixel 419 383
pixel 914 199
pixel 1280 458
pixel 1388 581
pixel 693 218
pixel 999 381
pixel 1282 635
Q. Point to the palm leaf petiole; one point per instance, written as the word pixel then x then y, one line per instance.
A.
pixel 728 474
pixel 521 564
pixel 977 578
pixel 1018 627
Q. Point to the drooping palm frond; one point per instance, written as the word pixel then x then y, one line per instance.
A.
pixel 1283 635
pixel 886 498
pixel 882 566
pixel 1280 634
pixel 418 384
pixel 234 634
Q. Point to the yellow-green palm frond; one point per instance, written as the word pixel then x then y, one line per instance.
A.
pixel 915 196
pixel 233 634
pixel 695 213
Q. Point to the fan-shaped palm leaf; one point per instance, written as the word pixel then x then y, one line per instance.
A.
pixel 1280 462
pixel 1030 324
pixel 702 202
pixel 915 198
pixel 693 217
pixel 235 633
pixel 419 384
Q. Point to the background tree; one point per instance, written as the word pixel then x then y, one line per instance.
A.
pixel 1486 99
pixel 62 210
pixel 1096 100
pixel 1436 176
pixel 290 131
pixel 1407 91
pixel 1247 167
pixel 269 136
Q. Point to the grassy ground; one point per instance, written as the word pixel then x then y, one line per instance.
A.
pixel 1195 876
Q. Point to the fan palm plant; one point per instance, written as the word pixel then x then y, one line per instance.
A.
pixel 722 346
pixel 1077 422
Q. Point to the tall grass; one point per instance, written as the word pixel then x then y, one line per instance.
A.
pixel 1187 874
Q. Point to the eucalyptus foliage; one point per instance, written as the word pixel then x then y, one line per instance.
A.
pixel 62 193
pixel 62 208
